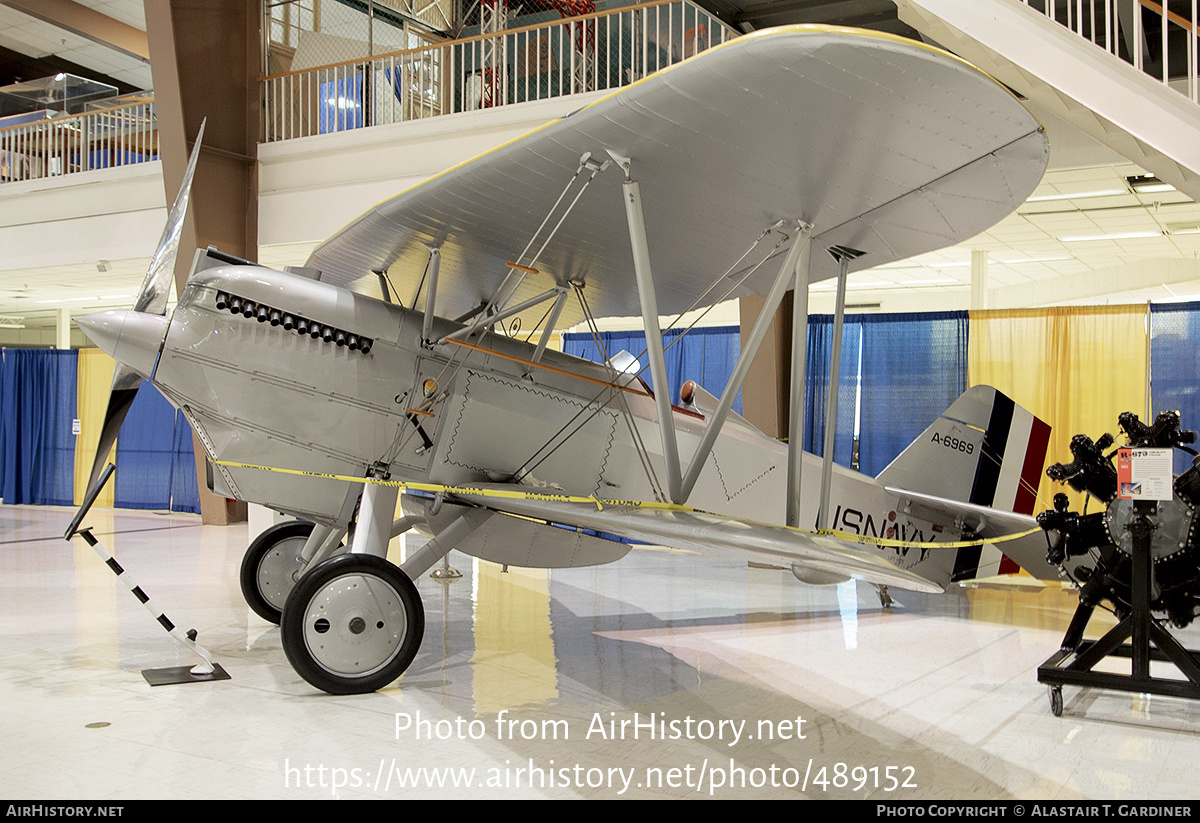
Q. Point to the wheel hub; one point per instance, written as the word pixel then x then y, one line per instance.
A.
pixel 355 625
pixel 279 571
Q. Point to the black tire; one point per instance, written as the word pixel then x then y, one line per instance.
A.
pixel 353 624
pixel 269 567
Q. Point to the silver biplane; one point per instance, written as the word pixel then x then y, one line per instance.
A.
pixel 781 158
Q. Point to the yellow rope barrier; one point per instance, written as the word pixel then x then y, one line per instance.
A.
pixel 510 494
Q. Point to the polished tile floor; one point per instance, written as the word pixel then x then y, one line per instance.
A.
pixel 757 686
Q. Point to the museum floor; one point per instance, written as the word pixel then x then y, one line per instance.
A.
pixel 940 692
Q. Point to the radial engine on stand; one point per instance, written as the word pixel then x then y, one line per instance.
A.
pixel 1095 550
pixel 1139 556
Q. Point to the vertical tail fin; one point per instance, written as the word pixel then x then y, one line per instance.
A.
pixel 984 449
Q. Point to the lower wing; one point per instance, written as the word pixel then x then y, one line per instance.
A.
pixel 684 528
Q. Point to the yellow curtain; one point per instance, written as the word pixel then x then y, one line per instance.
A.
pixel 1076 368
pixel 94 378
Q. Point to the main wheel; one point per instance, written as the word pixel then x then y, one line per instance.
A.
pixel 352 624
pixel 271 567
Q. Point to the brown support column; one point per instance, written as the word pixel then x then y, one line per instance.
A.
pixel 765 392
pixel 205 58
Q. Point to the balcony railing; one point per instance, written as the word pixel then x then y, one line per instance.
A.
pixel 66 144
pixel 592 52
pixel 1157 39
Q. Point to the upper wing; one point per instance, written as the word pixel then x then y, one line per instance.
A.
pixel 885 145
pixel 706 532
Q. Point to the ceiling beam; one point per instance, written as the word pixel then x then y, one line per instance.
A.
pixel 87 23
pixel 817 11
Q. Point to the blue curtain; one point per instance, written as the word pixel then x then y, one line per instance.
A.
pixel 816 385
pixel 155 463
pixel 37 445
pixel 706 355
pixel 37 407
pixel 913 367
pixel 144 449
pixel 1174 352
pixel 185 493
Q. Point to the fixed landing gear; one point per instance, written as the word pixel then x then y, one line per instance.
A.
pixel 271 567
pixel 352 624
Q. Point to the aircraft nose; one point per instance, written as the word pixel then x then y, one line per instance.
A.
pixel 132 338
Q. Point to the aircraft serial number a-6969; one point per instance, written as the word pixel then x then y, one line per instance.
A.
pixel 781 158
pixel 954 443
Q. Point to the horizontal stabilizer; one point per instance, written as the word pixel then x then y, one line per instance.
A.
pixel 1028 551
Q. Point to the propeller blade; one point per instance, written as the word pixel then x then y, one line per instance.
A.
pixel 141 346
pixel 156 288
pixel 120 398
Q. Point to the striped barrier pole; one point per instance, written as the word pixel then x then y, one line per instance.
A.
pixel 200 672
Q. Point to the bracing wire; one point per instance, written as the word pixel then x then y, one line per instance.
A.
pixel 643 453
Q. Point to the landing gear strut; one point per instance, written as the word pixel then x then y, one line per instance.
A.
pixel 354 622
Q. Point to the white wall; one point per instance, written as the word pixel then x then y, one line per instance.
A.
pixel 108 214
pixel 311 187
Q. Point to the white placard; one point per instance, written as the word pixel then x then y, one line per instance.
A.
pixel 1144 474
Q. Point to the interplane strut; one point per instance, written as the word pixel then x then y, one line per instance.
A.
pixel 679 483
pixel 843 256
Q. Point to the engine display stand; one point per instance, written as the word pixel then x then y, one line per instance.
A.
pixel 1148 639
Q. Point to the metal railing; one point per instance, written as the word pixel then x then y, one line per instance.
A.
pixel 1157 39
pixel 66 144
pixel 592 52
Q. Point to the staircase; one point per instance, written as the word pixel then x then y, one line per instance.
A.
pixel 1104 66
